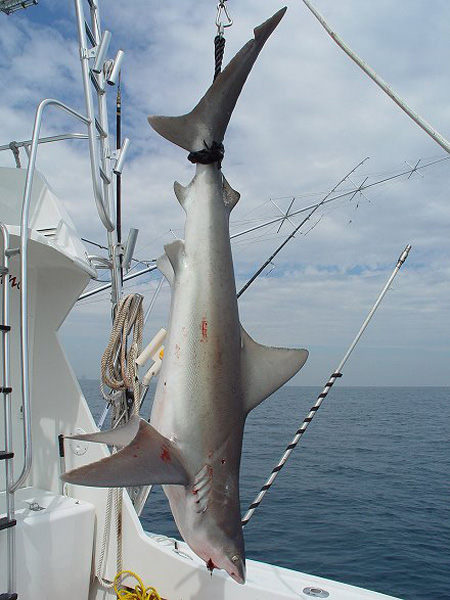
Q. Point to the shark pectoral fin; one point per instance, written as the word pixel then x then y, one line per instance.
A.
pixel 230 196
pixel 150 458
pixel 119 437
pixel 165 267
pixel 265 369
pixel 208 121
pixel 175 254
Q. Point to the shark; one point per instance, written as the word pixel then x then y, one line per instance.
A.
pixel 213 373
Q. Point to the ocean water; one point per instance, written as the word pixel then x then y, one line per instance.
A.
pixel 364 499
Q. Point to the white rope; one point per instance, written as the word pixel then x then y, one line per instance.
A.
pixel 119 372
pixel 115 496
pixel 118 367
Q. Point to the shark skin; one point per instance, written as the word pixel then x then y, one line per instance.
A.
pixel 213 373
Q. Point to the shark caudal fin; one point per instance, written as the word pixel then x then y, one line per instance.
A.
pixel 208 121
pixel 265 369
pixel 149 458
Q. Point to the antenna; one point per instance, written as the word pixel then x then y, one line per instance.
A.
pixel 313 411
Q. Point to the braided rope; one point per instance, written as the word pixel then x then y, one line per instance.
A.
pixel 219 49
pixel 122 374
pixel 114 498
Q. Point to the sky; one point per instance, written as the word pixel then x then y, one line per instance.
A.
pixel 306 117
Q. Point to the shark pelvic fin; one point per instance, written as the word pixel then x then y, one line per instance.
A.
pixel 150 458
pixel 165 267
pixel 120 436
pixel 230 196
pixel 265 369
pixel 175 254
pixel 208 121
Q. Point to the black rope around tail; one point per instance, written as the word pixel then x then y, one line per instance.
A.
pixel 208 155
pixel 219 49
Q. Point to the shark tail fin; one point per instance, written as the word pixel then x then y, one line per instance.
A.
pixel 208 121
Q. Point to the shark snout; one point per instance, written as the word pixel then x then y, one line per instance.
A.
pixel 237 568
pixel 234 566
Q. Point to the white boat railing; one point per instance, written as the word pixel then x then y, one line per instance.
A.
pixel 104 164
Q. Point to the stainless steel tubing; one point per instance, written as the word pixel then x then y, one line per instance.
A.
pixel 24 283
pixel 102 210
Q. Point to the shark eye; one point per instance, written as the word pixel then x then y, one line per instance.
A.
pixel 236 558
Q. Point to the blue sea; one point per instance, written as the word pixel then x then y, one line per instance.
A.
pixel 364 499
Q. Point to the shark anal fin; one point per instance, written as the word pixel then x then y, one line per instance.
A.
pixel 265 369
pixel 208 121
pixel 181 193
pixel 149 459
pixel 120 436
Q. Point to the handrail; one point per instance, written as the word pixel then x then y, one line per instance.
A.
pixel 46 140
pixel 10 508
pixel 26 203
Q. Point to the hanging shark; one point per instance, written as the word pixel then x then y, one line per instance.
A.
pixel 213 372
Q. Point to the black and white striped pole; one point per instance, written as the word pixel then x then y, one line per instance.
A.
pixel 321 397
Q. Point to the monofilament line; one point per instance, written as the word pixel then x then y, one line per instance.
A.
pixel 321 397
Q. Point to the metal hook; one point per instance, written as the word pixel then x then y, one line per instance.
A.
pixel 222 9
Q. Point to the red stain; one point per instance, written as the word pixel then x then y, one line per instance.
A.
pixel 204 329
pixel 211 566
pixel 165 454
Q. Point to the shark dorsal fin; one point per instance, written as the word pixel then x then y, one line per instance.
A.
pixel 265 369
pixel 230 196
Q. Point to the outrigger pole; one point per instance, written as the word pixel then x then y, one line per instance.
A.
pixel 431 131
pixel 291 235
pixel 321 397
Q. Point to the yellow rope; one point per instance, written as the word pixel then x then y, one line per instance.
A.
pixel 139 593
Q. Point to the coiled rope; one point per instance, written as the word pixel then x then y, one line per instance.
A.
pixel 119 373
pixel 118 367
pixel 140 592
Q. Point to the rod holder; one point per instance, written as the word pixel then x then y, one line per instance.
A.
pixel 150 352
pixel 102 50
pixel 129 248
pixel 121 157
pixel 113 74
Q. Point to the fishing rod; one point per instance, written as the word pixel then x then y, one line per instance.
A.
pixel 321 397
pixel 283 244
pixel 431 131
